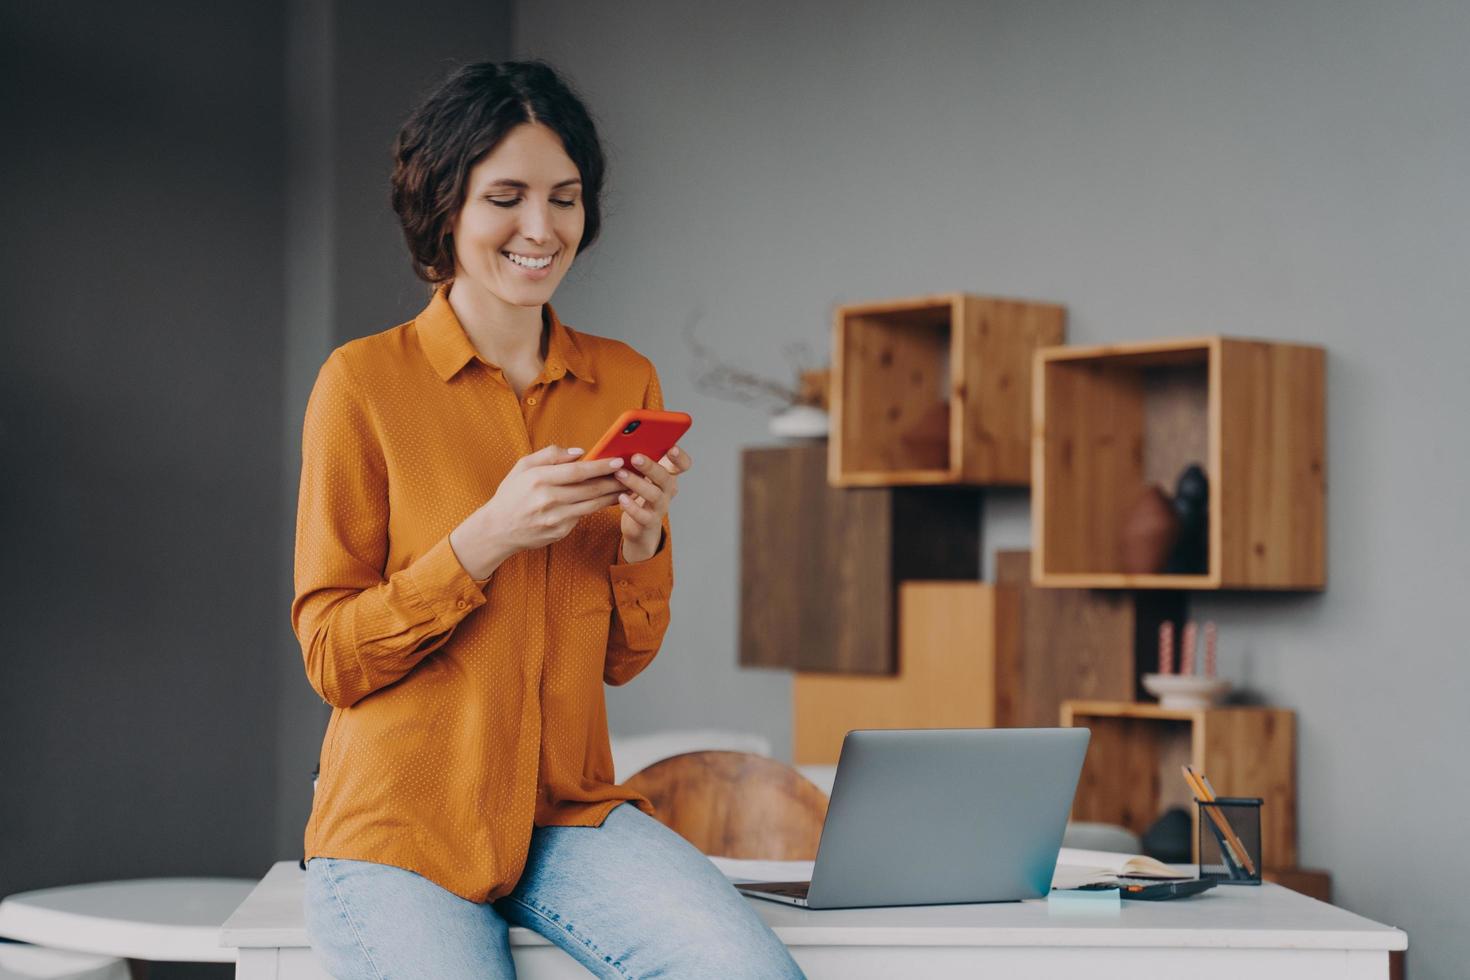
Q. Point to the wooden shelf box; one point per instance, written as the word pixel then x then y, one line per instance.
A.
pixel 936 389
pixel 1111 420
pixel 1132 771
pixel 1092 644
pixel 948 656
pixel 820 568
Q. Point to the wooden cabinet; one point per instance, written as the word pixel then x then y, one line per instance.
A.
pixel 1110 420
pixel 1132 771
pixel 820 567
pixel 936 389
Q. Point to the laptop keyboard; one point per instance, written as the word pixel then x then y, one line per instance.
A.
pixel 796 889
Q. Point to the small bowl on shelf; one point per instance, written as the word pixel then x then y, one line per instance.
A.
pixel 1186 690
pixel 800 422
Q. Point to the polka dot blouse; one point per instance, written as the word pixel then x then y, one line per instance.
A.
pixel 464 711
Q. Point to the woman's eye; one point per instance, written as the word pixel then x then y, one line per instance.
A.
pixel 513 201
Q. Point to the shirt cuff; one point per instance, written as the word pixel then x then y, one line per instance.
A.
pixel 444 585
pixel 652 576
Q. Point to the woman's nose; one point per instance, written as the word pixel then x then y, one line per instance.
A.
pixel 536 222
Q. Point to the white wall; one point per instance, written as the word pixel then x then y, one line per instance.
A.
pixel 1294 171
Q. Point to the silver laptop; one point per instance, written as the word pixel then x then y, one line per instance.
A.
pixel 939 816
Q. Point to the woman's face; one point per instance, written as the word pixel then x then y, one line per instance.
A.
pixel 522 207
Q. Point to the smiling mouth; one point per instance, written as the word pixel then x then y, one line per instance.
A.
pixel 534 262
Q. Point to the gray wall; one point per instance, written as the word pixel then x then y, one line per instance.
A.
pixel 196 212
pixel 355 71
pixel 1294 171
pixel 140 410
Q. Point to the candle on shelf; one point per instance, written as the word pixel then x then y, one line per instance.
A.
pixel 1210 638
pixel 1186 651
pixel 1166 647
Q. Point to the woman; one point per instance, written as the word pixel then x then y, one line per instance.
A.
pixel 465 585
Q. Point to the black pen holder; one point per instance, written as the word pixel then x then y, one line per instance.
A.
pixel 1230 840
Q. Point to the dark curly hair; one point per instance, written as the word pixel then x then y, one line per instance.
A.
pixel 457 125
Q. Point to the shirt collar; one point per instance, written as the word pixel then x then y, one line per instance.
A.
pixel 448 347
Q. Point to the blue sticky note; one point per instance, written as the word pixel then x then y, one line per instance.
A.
pixel 1069 900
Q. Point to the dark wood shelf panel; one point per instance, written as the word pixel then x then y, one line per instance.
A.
pixel 820 567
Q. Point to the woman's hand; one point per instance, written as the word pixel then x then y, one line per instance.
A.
pixel 650 490
pixel 540 500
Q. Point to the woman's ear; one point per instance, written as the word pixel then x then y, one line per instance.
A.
pixel 448 246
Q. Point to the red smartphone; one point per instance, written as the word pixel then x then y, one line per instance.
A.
pixel 641 430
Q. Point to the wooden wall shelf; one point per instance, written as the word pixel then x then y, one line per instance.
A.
pixel 948 656
pixel 1110 420
pixel 936 389
pixel 1132 771
pixel 1075 643
pixel 820 567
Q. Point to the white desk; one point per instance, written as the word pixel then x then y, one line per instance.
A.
pixel 1225 934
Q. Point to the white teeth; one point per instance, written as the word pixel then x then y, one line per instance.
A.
pixel 527 261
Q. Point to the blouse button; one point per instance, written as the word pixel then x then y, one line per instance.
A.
pixel 461 604
pixel 531 400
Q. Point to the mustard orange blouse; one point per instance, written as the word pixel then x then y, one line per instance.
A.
pixel 464 712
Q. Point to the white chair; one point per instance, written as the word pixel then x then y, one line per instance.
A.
pixel 1088 836
pixel 173 919
pixel 19 961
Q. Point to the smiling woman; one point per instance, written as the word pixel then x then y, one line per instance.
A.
pixel 458 126
pixel 466 586
pixel 512 232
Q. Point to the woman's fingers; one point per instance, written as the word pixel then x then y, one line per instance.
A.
pixel 546 456
pixel 660 475
pixel 586 490
pixel 580 470
pixel 646 467
pixel 592 505
pixel 573 488
pixel 646 516
pixel 643 486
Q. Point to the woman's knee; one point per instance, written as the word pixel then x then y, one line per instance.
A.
pixel 733 950
pixel 698 925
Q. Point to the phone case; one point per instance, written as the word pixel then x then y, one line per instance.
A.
pixel 655 434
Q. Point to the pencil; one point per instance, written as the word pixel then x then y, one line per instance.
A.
pixel 1234 839
pixel 1202 794
pixel 1234 847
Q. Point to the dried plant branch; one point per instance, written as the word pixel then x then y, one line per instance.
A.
pixel 717 378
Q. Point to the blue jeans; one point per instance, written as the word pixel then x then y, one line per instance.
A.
pixel 628 899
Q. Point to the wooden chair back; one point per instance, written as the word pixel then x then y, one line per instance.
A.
pixel 736 804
